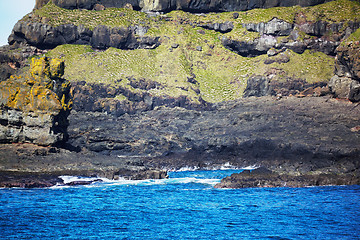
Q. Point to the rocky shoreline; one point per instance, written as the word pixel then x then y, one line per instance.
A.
pixel 150 91
pixel 296 136
pixel 262 177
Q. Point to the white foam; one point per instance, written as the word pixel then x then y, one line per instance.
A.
pixel 147 182
pixel 185 169
pixel 250 167
pixel 70 179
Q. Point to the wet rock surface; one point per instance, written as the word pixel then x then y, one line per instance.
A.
pixel 262 177
pixel 29 166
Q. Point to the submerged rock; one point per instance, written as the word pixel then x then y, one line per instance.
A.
pixel 34 107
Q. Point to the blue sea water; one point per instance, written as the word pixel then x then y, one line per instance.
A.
pixel 185 206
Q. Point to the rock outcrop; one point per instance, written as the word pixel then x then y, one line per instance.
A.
pixel 185 5
pixel 346 82
pixel 325 37
pixel 44 36
pixel 102 98
pixel 34 107
pixel 262 177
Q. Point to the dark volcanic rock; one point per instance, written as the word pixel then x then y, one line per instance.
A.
pixel 263 177
pixel 264 131
pixel 44 36
pixel 10 179
pixel 102 98
pixel 27 165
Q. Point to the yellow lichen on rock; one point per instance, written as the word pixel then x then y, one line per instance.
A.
pixel 36 105
pixel 57 67
pixel 42 89
pixel 39 67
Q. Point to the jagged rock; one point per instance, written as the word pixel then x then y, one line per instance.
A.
pixel 34 107
pixel 257 86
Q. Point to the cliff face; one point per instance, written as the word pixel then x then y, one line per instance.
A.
pixel 185 5
pixel 34 107
pixel 346 82
pixel 140 61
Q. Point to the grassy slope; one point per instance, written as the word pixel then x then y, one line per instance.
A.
pixel 220 73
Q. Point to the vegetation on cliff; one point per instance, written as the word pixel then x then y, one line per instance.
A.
pixel 191 60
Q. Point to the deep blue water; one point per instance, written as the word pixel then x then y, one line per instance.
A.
pixel 186 206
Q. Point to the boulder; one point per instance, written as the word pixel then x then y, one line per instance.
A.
pixel 257 86
pixel 34 107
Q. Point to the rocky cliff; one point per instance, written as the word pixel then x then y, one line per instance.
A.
pixel 157 90
pixel 190 60
pixel 185 5
pixel 346 82
pixel 34 107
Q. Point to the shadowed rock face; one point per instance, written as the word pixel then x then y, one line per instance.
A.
pixel 186 5
pixel 34 107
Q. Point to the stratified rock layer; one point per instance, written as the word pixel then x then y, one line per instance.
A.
pixel 34 107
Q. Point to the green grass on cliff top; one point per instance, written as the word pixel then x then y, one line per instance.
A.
pixel 334 11
pixel 220 74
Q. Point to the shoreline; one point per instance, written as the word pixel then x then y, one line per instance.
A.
pixel 296 136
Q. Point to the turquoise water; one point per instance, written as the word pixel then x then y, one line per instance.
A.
pixel 185 206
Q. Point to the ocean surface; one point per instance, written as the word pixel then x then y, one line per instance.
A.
pixel 185 206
